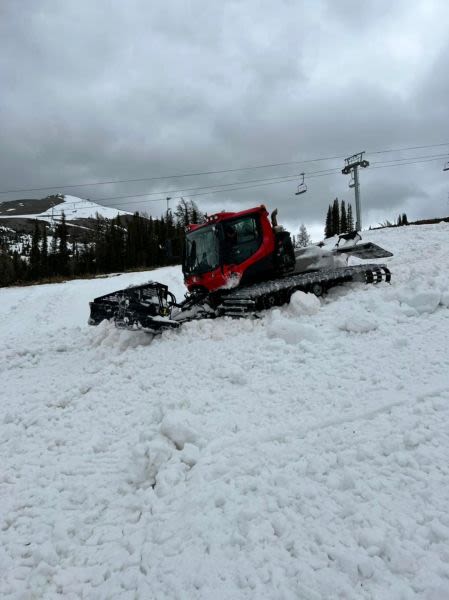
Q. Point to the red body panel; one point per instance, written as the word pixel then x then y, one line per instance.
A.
pixel 229 275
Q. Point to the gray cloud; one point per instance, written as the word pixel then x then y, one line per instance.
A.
pixel 99 91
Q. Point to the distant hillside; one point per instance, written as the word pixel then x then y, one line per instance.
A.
pixel 27 206
pixel 52 247
pixel 18 216
pixel 51 208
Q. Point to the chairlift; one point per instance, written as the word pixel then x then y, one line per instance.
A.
pixel 302 187
pixel 446 166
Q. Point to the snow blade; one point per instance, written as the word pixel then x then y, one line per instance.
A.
pixel 145 307
pixel 367 250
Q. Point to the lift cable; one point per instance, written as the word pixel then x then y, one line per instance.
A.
pixel 216 172
pixel 248 187
pixel 264 183
pixel 278 179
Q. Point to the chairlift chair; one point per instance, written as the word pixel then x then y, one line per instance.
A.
pixel 302 187
pixel 446 166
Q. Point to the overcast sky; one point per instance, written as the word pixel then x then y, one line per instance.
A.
pixel 94 91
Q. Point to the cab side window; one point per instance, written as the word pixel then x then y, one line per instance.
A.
pixel 247 239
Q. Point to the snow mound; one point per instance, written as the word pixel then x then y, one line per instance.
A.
pixel 304 304
pixel 147 460
pixel 419 300
pixel 177 427
pixel 291 331
pixel 359 323
pixel 190 454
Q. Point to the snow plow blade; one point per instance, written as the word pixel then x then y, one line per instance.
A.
pixel 146 307
pixel 366 251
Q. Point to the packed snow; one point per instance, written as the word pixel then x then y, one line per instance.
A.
pixel 302 455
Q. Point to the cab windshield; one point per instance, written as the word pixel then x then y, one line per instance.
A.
pixel 201 251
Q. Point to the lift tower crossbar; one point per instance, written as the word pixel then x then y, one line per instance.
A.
pixel 352 164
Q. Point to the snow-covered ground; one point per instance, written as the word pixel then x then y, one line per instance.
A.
pixel 299 456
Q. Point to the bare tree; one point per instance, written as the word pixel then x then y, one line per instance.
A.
pixel 303 238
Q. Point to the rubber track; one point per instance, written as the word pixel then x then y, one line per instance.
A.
pixel 246 301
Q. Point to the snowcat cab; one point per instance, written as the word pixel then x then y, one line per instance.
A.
pixel 231 249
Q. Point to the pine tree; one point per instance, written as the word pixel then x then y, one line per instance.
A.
pixel 20 267
pixel 399 222
pixel 115 245
pixel 169 219
pixel 195 214
pixel 328 226
pixel 63 253
pixel 35 254
pixel 7 270
pixel 350 219
pixel 131 242
pixel 53 256
pixel 335 217
pixel 44 253
pixel 182 213
pixel 343 218
pixel 303 239
pixel 152 243
pixel 404 219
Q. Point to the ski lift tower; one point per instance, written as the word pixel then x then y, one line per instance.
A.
pixel 168 198
pixel 352 168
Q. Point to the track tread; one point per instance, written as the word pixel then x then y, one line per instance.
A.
pixel 260 296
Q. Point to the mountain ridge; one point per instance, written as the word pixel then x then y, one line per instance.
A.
pixel 51 207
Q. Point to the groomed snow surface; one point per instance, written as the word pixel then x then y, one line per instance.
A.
pixel 304 455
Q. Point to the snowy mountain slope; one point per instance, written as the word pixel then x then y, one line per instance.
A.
pixel 73 207
pixel 295 456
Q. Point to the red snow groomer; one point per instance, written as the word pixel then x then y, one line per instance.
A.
pixel 237 264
